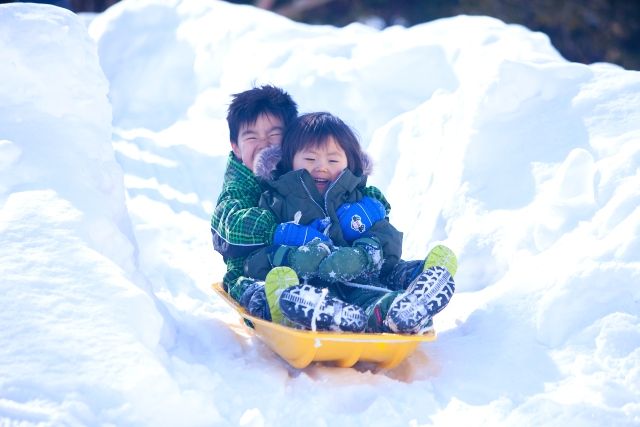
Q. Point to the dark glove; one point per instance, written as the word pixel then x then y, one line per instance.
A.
pixel 304 260
pixel 360 261
pixel 291 234
pixel 356 218
pixel 372 247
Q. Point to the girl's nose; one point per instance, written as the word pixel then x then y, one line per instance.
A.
pixel 320 165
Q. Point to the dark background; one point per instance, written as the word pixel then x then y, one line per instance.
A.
pixel 584 31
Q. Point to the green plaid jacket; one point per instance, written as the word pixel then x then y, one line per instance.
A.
pixel 239 226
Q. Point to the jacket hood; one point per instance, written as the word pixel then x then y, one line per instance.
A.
pixel 267 160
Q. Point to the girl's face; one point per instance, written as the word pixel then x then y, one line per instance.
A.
pixel 324 162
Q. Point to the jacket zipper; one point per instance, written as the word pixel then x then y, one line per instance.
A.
pixel 311 197
pixel 325 210
pixel 326 193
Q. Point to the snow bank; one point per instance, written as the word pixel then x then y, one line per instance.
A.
pixel 80 338
pixel 485 139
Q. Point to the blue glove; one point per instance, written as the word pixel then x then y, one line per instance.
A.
pixel 356 218
pixel 320 224
pixel 292 234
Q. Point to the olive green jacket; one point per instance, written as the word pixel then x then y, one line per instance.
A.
pixel 295 194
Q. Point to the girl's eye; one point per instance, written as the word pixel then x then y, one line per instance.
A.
pixel 309 159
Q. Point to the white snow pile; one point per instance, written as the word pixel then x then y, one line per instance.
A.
pixel 113 143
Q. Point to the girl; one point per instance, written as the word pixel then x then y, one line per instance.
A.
pixel 354 279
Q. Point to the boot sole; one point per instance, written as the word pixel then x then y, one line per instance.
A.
pixel 277 280
pixel 428 295
pixel 442 256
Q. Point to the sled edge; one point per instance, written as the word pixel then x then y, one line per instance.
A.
pixel 302 347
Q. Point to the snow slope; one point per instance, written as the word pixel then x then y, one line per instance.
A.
pixel 113 142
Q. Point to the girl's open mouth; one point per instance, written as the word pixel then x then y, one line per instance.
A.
pixel 321 184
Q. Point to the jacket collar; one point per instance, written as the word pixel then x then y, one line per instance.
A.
pixel 236 170
pixel 301 182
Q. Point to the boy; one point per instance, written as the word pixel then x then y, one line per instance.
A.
pixel 257 119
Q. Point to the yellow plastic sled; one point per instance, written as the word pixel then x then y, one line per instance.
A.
pixel 301 347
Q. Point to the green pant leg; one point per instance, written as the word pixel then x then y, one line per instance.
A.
pixel 375 303
pixel 377 311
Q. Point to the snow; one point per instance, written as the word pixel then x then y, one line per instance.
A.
pixel 113 142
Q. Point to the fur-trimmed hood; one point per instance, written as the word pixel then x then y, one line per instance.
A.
pixel 267 161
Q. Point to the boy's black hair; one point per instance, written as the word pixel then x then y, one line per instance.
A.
pixel 247 106
pixel 314 130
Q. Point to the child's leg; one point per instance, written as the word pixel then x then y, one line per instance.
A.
pixel 374 299
pixel 278 279
pixel 240 286
pixel 254 299
pixel 377 311
pixel 412 310
pixel 442 256
pixel 259 298
pixel 405 272
pixel 314 308
pixel 402 274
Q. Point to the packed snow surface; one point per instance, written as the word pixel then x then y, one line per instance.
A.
pixel 113 143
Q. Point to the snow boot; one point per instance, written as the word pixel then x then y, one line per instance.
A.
pixel 378 311
pixel 426 329
pixel 278 279
pixel 429 293
pixel 442 256
pixel 314 309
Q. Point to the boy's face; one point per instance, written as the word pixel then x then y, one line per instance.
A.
pixel 324 163
pixel 255 137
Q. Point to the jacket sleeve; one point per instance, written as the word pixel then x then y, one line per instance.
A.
pixel 237 221
pixel 388 236
pixel 391 241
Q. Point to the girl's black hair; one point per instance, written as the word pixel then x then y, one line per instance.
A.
pixel 314 130
pixel 247 106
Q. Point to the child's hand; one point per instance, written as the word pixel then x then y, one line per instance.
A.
pixel 363 260
pixel 320 224
pixel 291 234
pixel 306 259
pixel 356 218
pixel 303 259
